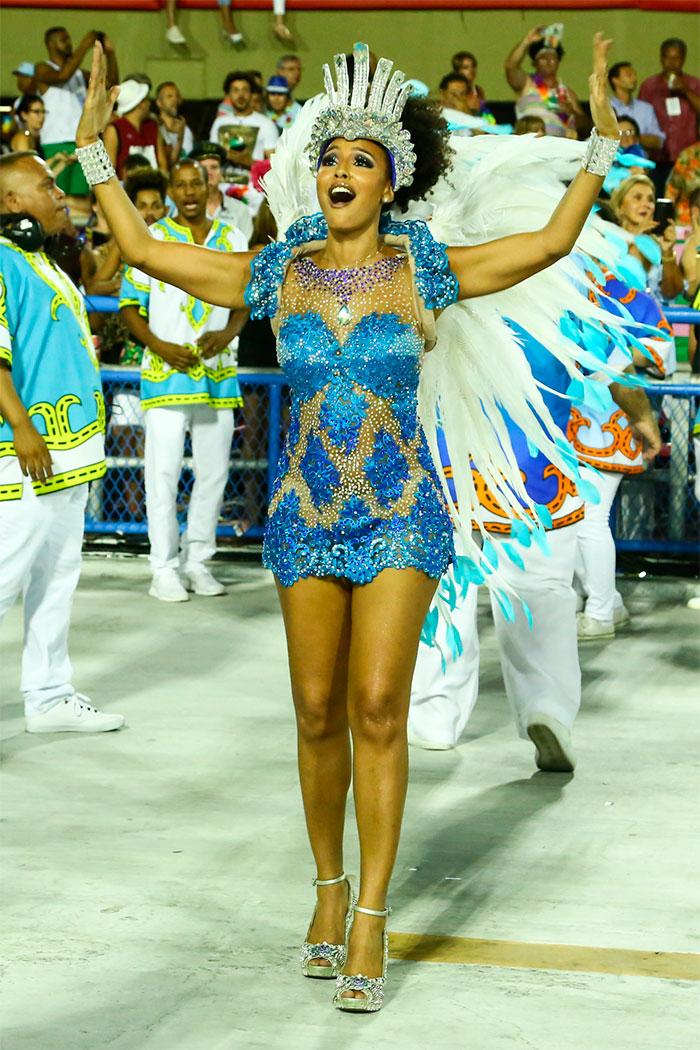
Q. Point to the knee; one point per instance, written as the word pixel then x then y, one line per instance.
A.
pixel 319 716
pixel 377 714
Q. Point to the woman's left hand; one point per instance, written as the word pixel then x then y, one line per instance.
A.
pixel 602 112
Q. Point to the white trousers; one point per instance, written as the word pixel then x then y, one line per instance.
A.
pixel 540 666
pixel 211 430
pixel 595 553
pixel 40 553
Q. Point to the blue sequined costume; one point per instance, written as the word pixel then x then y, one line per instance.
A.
pixel 356 489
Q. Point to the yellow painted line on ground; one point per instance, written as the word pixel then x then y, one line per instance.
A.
pixel 572 958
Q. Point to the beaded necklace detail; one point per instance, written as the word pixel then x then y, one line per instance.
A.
pixel 344 283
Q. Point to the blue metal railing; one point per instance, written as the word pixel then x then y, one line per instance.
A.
pixel 666 520
pixel 657 512
pixel 117 502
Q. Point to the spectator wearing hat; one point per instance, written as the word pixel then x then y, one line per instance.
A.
pixel 246 136
pixel 542 93
pixel 133 130
pixel 26 79
pixel 279 106
pixel 177 137
pixel 230 210
pixel 63 86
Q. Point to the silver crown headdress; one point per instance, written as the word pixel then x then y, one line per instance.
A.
pixel 358 117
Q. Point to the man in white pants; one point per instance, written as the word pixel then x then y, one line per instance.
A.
pixel 605 444
pixel 51 443
pixel 188 384
pixel 539 660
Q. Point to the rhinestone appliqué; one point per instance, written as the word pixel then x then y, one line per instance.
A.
pixel 356 489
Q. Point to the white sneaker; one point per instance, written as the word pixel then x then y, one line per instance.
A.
pixel 202 582
pixel 236 39
pixel 167 586
pixel 552 742
pixel 174 36
pixel 73 715
pixel 591 630
pixel 621 617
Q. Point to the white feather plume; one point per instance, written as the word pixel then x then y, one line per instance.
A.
pixel 290 185
pixel 477 371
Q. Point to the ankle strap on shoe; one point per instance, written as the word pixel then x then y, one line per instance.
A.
pixel 329 882
pixel 370 911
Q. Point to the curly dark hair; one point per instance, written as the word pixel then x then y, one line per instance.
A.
pixel 146 179
pixel 424 122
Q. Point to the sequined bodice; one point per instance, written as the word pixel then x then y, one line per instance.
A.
pixel 356 488
pixel 354 430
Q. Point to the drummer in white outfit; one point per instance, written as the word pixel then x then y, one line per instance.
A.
pixel 605 445
pixel 537 640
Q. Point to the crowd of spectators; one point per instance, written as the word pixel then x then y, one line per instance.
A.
pixel 233 139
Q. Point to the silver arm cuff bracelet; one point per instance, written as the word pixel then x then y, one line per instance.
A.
pixel 600 154
pixel 95 162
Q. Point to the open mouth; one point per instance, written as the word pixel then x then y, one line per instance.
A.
pixel 341 194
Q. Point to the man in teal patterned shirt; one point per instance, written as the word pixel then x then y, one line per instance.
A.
pixel 188 384
pixel 51 444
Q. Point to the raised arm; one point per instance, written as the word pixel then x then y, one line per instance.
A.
pixel 515 74
pixel 487 268
pixel 46 73
pixel 215 277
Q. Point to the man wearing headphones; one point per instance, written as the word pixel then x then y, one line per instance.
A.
pixel 51 442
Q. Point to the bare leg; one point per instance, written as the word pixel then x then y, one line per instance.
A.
pixel 170 12
pixel 387 617
pixel 317 622
pixel 279 28
pixel 227 19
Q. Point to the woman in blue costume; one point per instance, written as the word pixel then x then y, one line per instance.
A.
pixel 358 532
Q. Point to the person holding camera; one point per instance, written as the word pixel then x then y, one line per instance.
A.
pixel 675 97
pixel 63 85
pixel 634 204
pixel 245 135
pixel 52 419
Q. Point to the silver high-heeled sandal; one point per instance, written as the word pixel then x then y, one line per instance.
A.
pixel 372 988
pixel 335 954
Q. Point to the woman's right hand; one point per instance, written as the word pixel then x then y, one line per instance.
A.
pixel 99 102
pixel 31 451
